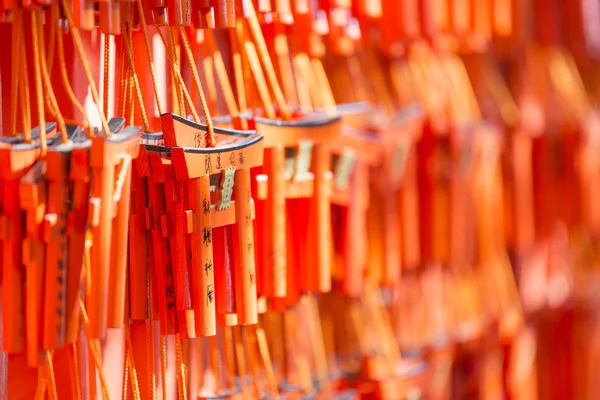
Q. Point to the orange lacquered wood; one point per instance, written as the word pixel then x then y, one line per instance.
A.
pixel 245 273
pixel 78 221
pixel 224 287
pixel 301 250
pixel 179 12
pixel 159 15
pixel 110 17
pixel 161 256
pixel 174 226
pixel 355 242
pixel 317 129
pixel 84 14
pixel 392 261
pixel 12 271
pixel 204 282
pixel 55 236
pixel 293 260
pixel 459 202
pixel 118 261
pixel 194 165
pixel 319 269
pixel 14 163
pixel 409 213
pixel 275 234
pixel 33 198
pixel 521 157
pixel 224 13
pixel 375 218
pixel 140 248
pixel 106 153
pixel 101 189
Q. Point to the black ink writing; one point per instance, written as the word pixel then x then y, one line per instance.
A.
pixel 206 236
pixel 219 166
pixel 207 165
pixel 210 293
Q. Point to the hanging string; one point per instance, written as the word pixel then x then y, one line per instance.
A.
pixel 222 75
pixel 94 346
pixel 130 99
pixel 14 68
pixel 210 138
pixel 136 84
pixel 163 366
pixel 48 83
pixel 40 393
pixel 106 88
pixel 150 348
pixel 177 62
pixel 265 59
pixel 263 349
pixel 52 393
pixel 52 43
pixel 65 75
pixel 208 67
pixel 47 60
pixel 135 386
pixel 181 380
pixel 86 67
pixel 241 362
pixel 123 76
pixel 238 72
pixel 149 53
pixel 24 91
pixel 125 389
pixel 74 372
pixel 172 57
pixel 39 90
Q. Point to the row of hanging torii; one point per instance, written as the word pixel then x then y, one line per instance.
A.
pixel 347 159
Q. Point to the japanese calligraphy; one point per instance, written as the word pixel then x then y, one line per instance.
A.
pixel 207 165
pixel 205 206
pixel 206 236
pixel 219 166
pixel 199 139
pixel 208 266
pixel 210 293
